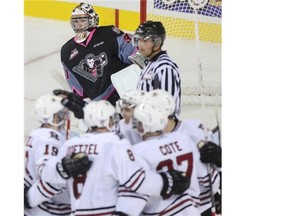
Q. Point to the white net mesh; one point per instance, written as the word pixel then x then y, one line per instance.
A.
pixel 178 17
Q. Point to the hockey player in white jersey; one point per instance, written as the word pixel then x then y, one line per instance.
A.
pixel 40 197
pixel 163 152
pixel 125 107
pixel 209 153
pixel 114 167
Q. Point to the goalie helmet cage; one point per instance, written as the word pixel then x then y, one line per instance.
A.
pixel 187 43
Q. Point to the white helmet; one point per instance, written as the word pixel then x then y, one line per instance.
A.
pixel 98 114
pixel 83 18
pixel 161 98
pixel 131 97
pixel 45 108
pixel 152 117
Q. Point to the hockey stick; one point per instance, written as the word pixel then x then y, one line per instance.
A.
pixel 217 118
pixel 68 122
pixel 217 99
pixel 60 79
pixel 197 4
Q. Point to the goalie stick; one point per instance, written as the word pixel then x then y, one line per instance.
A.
pixel 59 79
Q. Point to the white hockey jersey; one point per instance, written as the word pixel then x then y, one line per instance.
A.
pixel 194 129
pixel 46 199
pixel 172 151
pixel 113 166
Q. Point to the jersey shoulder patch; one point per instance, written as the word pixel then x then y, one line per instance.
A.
pixel 116 30
pixel 127 38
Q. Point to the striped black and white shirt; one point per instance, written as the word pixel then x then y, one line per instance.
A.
pixel 162 73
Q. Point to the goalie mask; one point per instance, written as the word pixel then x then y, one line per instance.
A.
pixel 150 29
pixel 98 114
pixel 46 107
pixel 83 19
pixel 161 98
pixel 152 118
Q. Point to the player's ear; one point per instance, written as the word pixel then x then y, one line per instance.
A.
pixel 140 127
pixel 157 47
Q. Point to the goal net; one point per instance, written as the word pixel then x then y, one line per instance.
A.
pixel 193 37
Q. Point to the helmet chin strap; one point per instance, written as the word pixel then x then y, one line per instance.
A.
pixel 81 36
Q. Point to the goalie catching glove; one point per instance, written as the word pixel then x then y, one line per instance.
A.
pixel 174 182
pixel 72 101
pixel 73 165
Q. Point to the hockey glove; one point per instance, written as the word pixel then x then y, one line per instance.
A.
pixel 26 201
pixel 72 101
pixel 174 182
pixel 73 165
pixel 211 153
pixel 218 203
